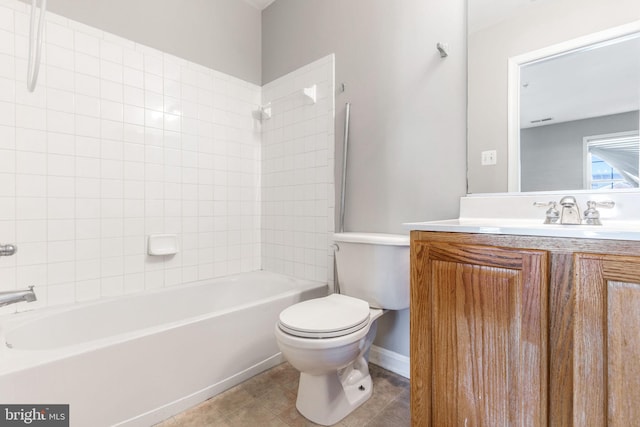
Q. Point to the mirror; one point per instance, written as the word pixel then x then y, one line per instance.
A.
pixel 519 52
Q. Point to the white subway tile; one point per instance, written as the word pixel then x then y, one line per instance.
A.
pixel 60 57
pixel 153 83
pixel 112 286
pixel 87 290
pixel 32 254
pixel 133 59
pixel 87 43
pixel 24 208
pixel 87 64
pixel 86 270
pixel 61 251
pixel 153 64
pixel 59 78
pixel 7 66
pixel 7 90
pixel 61 122
pixel 111 90
pixel 111 71
pixel 58 186
pixel 31 185
pixel 59 208
pixel 87 126
pixel 60 165
pixel 153 101
pixel 110 110
pixel 134 96
pixel 8 137
pixel 8 114
pixel 7 42
pixel 6 18
pixel 87 85
pixel 62 290
pixel 133 77
pixel 87 228
pixel 7 184
pixel 110 129
pixel 111 52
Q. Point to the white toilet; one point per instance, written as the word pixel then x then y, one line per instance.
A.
pixel 328 339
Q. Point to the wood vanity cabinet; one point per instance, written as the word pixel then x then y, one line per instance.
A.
pixel 524 331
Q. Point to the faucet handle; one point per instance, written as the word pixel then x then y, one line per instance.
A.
pixel 603 204
pixel 591 215
pixel 8 250
pixel 552 215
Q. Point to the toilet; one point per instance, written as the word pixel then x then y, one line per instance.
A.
pixel 328 339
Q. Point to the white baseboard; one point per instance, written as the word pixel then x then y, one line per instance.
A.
pixel 389 360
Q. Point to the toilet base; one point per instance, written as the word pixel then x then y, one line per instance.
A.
pixel 327 399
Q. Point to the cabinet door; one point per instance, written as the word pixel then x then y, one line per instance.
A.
pixel 607 341
pixel 478 336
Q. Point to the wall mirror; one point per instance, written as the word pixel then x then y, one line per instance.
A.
pixel 553 95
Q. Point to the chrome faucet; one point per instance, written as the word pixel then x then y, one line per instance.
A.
pixel 570 213
pixel 12 297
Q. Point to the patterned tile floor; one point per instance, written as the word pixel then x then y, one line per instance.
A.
pixel 269 399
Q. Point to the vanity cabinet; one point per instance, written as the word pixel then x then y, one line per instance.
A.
pixel 524 331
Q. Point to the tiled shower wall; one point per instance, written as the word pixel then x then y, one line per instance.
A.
pixel 120 141
pixel 297 173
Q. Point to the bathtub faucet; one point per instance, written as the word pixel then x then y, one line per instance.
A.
pixel 12 297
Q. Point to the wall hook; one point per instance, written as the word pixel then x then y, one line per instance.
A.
pixel 311 93
pixel 265 111
pixel 443 48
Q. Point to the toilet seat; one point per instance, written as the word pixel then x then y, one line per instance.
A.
pixel 329 317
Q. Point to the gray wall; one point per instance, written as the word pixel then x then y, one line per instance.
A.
pixel 220 34
pixel 551 156
pixel 408 140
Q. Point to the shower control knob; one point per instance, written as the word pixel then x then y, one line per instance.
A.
pixel 7 250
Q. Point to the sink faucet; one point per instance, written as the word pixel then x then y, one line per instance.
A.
pixel 12 297
pixel 570 213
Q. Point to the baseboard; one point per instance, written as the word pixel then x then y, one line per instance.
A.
pixel 389 360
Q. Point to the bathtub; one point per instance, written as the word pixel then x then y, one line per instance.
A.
pixel 139 359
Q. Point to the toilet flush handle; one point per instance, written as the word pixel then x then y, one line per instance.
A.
pixel 335 247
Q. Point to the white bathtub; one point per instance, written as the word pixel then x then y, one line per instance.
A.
pixel 139 359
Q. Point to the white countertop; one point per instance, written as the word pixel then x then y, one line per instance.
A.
pixel 620 230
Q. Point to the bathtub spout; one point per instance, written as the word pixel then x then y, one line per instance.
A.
pixel 12 297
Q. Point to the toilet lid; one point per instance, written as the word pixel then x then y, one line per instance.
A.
pixel 328 317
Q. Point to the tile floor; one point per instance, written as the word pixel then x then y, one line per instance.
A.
pixel 269 399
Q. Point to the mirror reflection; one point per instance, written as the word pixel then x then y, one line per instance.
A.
pixel 573 106
pixel 579 119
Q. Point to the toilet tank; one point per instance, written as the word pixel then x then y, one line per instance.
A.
pixel 374 267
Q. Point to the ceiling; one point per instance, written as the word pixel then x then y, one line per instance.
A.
pixel 587 83
pixel 259 4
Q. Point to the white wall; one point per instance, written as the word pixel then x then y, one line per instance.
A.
pixel 408 141
pixel 119 141
pixel 540 25
pixel 223 35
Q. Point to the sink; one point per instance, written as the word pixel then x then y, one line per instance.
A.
pixel 516 215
